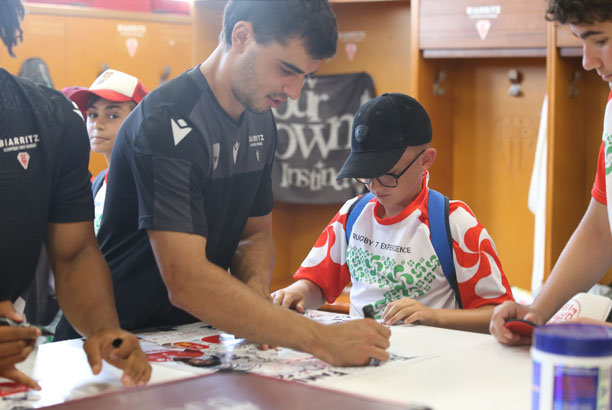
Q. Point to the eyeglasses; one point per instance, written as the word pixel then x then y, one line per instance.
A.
pixel 389 180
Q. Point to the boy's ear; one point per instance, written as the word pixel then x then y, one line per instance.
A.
pixel 428 158
pixel 242 35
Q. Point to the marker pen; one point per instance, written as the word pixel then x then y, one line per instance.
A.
pixel 5 321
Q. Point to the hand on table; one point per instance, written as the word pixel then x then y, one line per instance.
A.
pixel 127 356
pixel 290 299
pixel 354 343
pixel 16 343
pixel 408 310
pixel 512 310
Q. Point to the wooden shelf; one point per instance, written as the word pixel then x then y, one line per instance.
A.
pixel 77 11
pixel 570 52
pixel 484 52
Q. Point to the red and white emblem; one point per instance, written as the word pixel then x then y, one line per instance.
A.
pixel 351 49
pixel 483 27
pixel 571 310
pixel 24 159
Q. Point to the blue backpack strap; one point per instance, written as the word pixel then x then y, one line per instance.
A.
pixel 441 238
pixel 354 212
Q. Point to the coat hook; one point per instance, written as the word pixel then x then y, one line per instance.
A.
pixel 165 75
pixel 438 90
pixel 572 90
pixel 515 77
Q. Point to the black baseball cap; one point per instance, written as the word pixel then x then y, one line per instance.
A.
pixel 382 130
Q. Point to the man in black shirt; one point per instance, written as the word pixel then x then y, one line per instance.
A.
pixel 189 192
pixel 45 197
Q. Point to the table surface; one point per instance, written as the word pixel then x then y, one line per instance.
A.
pixel 452 370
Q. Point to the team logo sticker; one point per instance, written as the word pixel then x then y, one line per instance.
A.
pixel 24 159
pixel 483 27
pixel 571 310
pixel 351 50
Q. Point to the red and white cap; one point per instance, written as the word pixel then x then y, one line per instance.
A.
pixel 111 85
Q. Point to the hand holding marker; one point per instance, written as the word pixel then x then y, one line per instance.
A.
pixel 368 312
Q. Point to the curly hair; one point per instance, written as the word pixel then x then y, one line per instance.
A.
pixel 11 14
pixel 580 12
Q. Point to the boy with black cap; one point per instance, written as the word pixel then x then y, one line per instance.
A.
pixel 389 256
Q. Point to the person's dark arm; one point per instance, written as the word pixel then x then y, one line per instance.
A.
pixel 85 295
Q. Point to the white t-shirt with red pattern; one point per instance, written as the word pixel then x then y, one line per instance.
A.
pixel 603 178
pixel 388 259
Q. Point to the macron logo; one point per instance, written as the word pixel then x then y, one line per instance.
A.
pixel 179 130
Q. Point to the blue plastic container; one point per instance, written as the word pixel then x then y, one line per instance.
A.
pixel 571 367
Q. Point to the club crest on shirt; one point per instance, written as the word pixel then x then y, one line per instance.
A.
pixel 256 140
pixel 24 159
pixel 216 149
pixel 236 148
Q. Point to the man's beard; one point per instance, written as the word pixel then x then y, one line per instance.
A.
pixel 244 88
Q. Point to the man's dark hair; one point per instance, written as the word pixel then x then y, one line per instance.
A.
pixel 281 20
pixel 11 14
pixel 580 12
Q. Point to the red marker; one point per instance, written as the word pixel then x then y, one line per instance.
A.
pixel 522 327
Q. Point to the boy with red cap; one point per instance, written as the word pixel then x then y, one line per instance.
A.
pixel 386 247
pixel 108 102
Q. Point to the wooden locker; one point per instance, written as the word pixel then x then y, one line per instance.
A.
pixel 485 137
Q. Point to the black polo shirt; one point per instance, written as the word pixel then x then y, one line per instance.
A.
pixel 180 163
pixel 44 176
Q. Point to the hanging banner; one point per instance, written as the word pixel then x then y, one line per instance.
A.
pixel 314 139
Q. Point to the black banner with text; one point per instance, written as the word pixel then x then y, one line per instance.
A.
pixel 314 139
